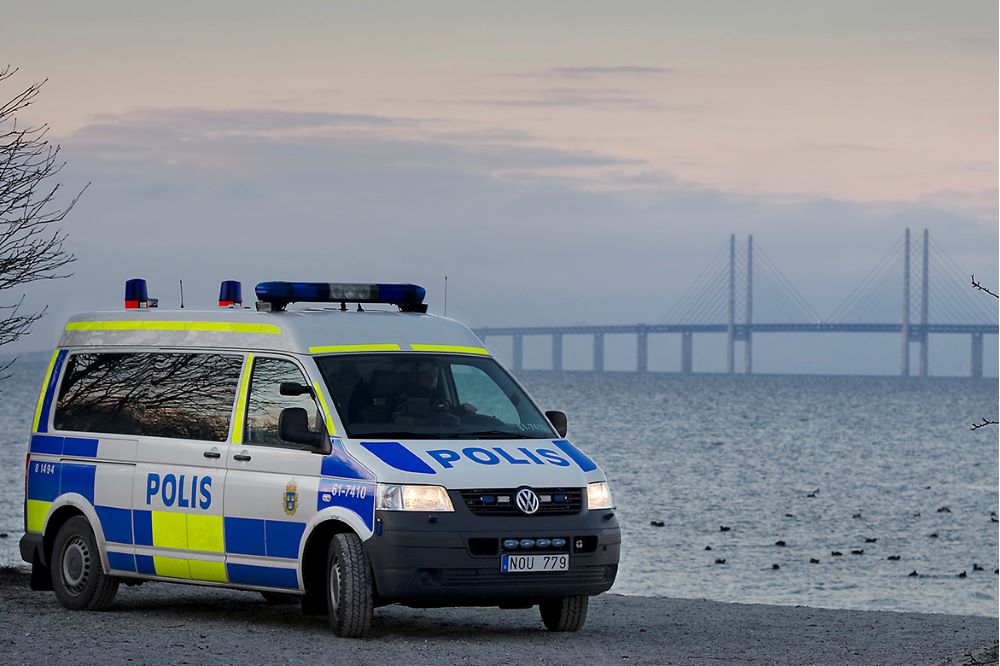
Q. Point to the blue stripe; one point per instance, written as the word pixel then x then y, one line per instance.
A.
pixel 244 536
pixel 80 447
pixel 247 574
pixel 144 565
pixel 121 561
pixel 116 523
pixel 46 444
pixel 43 480
pixel 398 456
pixel 356 496
pixel 142 523
pixel 578 456
pixel 340 463
pixel 50 391
pixel 78 479
pixel 283 538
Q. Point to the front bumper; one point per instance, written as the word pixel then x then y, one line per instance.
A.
pixel 448 559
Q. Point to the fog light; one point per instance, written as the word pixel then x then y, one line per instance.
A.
pixel 578 544
pixel 527 543
pixel 509 544
pixel 559 543
pixel 543 543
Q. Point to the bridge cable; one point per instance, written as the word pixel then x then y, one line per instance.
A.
pixel 875 276
pixel 697 291
pixel 800 302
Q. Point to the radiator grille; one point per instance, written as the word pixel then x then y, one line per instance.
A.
pixel 500 501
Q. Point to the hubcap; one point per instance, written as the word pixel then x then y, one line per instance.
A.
pixel 75 565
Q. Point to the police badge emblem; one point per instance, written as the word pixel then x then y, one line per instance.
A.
pixel 291 498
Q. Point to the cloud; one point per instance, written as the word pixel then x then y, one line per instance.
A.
pixel 844 147
pixel 600 98
pixel 519 228
pixel 594 72
pixel 485 135
pixel 198 121
pixel 182 133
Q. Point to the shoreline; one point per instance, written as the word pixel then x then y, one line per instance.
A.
pixel 23 568
pixel 196 624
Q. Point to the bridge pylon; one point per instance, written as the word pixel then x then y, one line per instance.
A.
pixel 743 333
pixel 909 332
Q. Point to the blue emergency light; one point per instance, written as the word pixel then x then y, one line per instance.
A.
pixel 230 294
pixel 408 297
pixel 136 294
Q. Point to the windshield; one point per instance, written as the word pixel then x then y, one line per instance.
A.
pixel 429 396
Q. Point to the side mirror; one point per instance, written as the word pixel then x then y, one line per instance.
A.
pixel 293 426
pixel 294 389
pixel 558 421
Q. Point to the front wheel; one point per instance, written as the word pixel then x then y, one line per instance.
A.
pixel 77 577
pixel 566 614
pixel 349 587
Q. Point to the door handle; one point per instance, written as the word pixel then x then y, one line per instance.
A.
pixel 242 457
pixel 212 454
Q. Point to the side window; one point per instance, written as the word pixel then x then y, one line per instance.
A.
pixel 182 396
pixel 265 402
pixel 475 388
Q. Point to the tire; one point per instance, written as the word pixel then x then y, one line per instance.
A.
pixel 349 587
pixel 279 598
pixel 77 577
pixel 566 614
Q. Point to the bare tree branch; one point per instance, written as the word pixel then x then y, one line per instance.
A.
pixel 980 287
pixel 31 240
pixel 985 422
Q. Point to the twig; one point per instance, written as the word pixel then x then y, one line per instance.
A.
pixel 980 287
pixel 985 422
pixel 32 207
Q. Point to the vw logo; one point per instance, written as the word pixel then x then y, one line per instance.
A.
pixel 527 501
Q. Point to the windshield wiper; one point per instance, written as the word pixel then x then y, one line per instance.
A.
pixel 495 434
pixel 397 434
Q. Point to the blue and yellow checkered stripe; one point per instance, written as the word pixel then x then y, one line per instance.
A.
pixel 205 534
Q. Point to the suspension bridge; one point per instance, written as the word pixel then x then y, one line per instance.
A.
pixel 742 293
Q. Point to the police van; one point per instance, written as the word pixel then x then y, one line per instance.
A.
pixel 348 456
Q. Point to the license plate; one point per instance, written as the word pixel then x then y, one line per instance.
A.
pixel 534 563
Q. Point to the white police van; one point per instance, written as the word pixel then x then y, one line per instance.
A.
pixel 351 457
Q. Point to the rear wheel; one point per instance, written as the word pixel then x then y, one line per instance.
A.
pixel 349 587
pixel 566 614
pixel 77 577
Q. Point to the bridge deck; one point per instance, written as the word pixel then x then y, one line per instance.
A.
pixel 739 329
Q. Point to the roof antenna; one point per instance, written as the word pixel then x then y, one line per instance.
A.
pixel 445 295
pixel 182 293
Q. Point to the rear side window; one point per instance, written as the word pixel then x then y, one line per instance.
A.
pixel 185 396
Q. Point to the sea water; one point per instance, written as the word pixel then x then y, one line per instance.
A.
pixel 883 465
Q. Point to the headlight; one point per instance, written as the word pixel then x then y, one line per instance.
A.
pixel 599 495
pixel 396 497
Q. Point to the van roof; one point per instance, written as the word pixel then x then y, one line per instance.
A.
pixel 304 331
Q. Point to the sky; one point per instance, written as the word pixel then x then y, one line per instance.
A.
pixel 561 162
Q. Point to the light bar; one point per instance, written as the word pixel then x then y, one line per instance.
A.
pixel 409 297
pixel 230 294
pixel 136 295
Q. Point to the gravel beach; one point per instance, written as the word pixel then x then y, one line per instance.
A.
pixel 175 624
